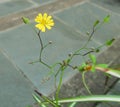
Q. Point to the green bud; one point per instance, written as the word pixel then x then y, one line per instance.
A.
pixel 109 42
pixel 96 23
pixel 81 67
pixel 97 50
pixel 25 20
pixel 106 19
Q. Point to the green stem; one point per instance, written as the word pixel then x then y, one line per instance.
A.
pixel 85 45
pixel 59 85
pixel 45 64
pixel 90 98
pixel 46 99
pixel 84 82
pixel 91 35
pixel 96 98
pixel 41 45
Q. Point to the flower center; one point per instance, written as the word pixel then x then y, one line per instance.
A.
pixel 43 22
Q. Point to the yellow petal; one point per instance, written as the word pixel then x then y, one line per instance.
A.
pixel 45 16
pixel 43 29
pixel 38 19
pixel 48 18
pixel 39 26
pixel 51 24
pixel 40 15
pixel 50 21
pixel 49 27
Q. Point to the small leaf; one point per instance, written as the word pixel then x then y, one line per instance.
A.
pixel 109 42
pixel 114 72
pixel 96 23
pixel 106 19
pixel 25 20
pixel 102 65
pixel 93 68
pixel 93 58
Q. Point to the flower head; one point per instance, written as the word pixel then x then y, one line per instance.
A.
pixel 44 21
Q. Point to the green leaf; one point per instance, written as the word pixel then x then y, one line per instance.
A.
pixel 106 19
pixel 104 68
pixel 114 72
pixel 25 20
pixel 93 58
pixel 96 23
pixel 102 65
pixel 109 42
pixel 93 68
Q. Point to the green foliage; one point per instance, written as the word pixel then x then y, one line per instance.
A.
pixel 83 69
pixel 92 58
pixel 93 68
pixel 102 65
pixel 114 72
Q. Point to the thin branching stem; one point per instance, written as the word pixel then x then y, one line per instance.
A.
pixel 88 52
pixel 85 45
pixel 42 47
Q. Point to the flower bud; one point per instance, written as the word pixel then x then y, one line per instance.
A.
pixel 50 42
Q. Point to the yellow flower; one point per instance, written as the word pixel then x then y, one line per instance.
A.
pixel 44 21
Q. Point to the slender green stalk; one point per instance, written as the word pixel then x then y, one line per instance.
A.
pixel 41 45
pixel 45 64
pixel 55 75
pixel 46 99
pixel 59 85
pixel 39 101
pixel 84 82
pixel 96 98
